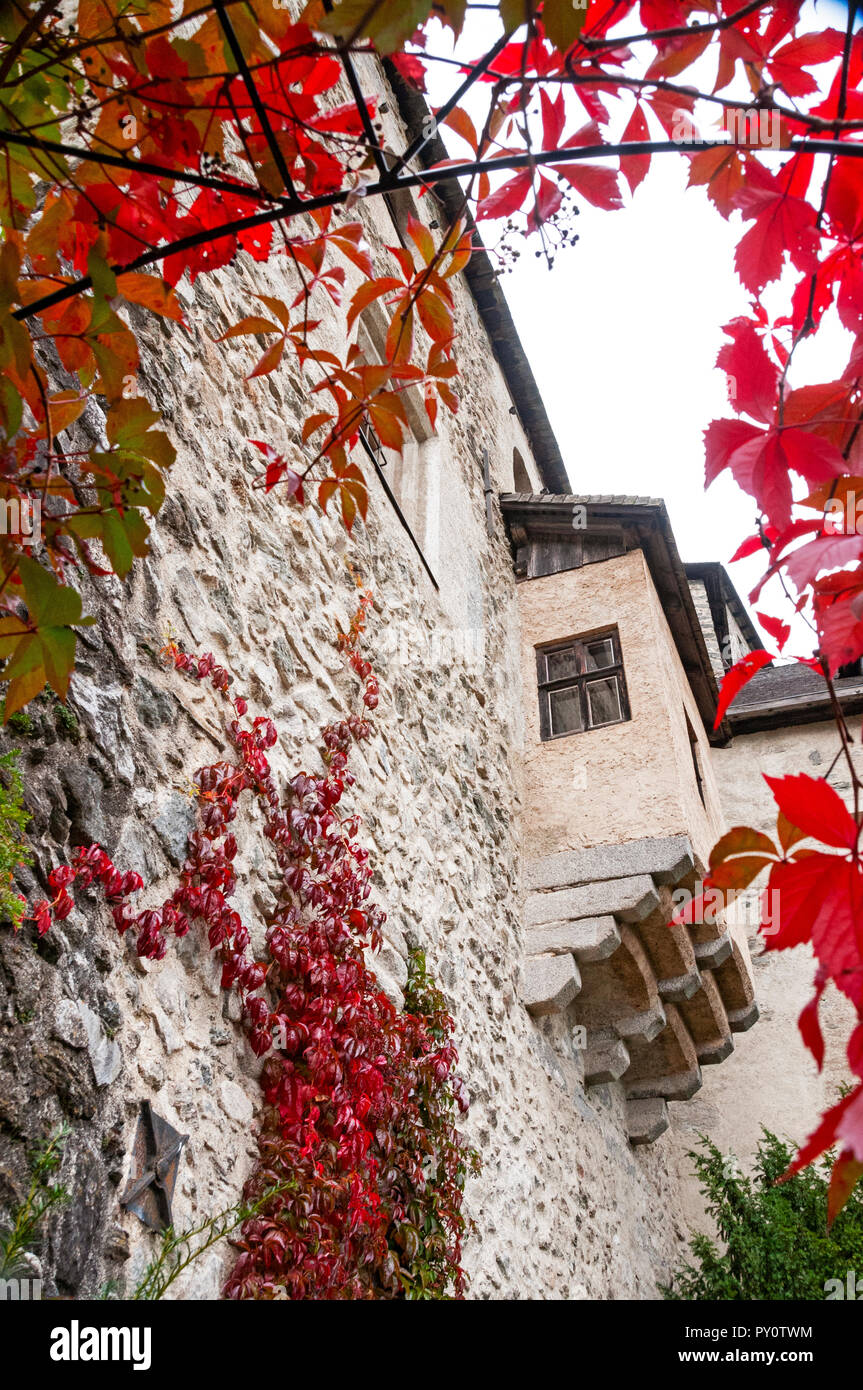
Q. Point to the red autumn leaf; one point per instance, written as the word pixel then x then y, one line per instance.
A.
pixel 598 183
pixel 841 633
pixel 802 887
pixel 809 1023
pixel 847 1172
pixel 786 64
pixel 825 552
pixel 553 119
pixel 761 461
pixel 411 68
pixel 722 440
pixel 825 1136
pixel 548 200
pixel 753 378
pixel 753 544
pixel 634 167
pixel 814 806
pixel 595 182
pixel 734 680
pixel 850 1125
pixel 782 224
pixel 778 630
pixel 508 198
pixel 854 1050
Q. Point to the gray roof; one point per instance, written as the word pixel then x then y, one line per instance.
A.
pixel 611 499
pixel 790 694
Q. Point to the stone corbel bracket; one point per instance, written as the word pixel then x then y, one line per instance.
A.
pixel 657 1002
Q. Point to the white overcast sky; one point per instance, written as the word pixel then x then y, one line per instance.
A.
pixel 622 335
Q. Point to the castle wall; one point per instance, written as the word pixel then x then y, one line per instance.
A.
pixel 564 1207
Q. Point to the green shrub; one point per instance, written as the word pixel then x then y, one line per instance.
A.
pixel 775 1237
pixel 24 1230
pixel 13 848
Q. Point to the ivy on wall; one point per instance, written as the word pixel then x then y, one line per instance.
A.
pixel 358 1187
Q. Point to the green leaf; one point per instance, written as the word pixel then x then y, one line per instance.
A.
pixel 388 25
pixel 563 21
pixel 46 653
pixel 123 535
pixel 103 277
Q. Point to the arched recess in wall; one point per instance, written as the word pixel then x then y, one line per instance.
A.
pixel 520 476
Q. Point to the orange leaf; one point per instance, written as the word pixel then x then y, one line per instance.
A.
pixel 369 292
pixel 64 409
pixel 249 325
pixel 435 317
pixel 152 292
pixel 270 360
pixel 400 337
pixel 421 238
pixel 459 121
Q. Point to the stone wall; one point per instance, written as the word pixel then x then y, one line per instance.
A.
pixel 564 1207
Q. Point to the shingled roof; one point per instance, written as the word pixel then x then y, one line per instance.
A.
pixel 781 695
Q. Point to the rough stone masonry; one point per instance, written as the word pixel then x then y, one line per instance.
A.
pixel 564 1207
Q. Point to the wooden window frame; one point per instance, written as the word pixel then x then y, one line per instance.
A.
pixel 580 683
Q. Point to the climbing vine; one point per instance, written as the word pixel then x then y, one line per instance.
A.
pixel 358 1189
pixel 137 136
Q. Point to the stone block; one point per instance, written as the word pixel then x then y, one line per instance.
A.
pixel 709 954
pixel 606 1059
pixel 587 938
pixel 550 983
pixel 646 1120
pixel 741 1020
pixel 680 987
pixel 628 899
pixel 667 858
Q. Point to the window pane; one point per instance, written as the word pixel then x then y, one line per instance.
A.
pixel 565 708
pixel 603 699
pixel 561 664
pixel 599 654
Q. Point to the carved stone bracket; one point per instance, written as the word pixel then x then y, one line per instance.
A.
pixel 657 1002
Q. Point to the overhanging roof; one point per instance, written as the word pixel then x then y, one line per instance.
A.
pixel 628 523
pixel 721 593
pixel 779 696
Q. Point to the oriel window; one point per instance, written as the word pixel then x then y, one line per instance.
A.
pixel 581 685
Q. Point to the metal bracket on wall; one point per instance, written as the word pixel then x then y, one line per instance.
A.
pixel 155 1164
pixel 488 490
pixel 394 504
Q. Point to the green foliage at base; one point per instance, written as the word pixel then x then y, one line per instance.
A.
pixel 23 1232
pixel 777 1245
pixel 180 1249
pixel 13 848
pixel 432 1270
